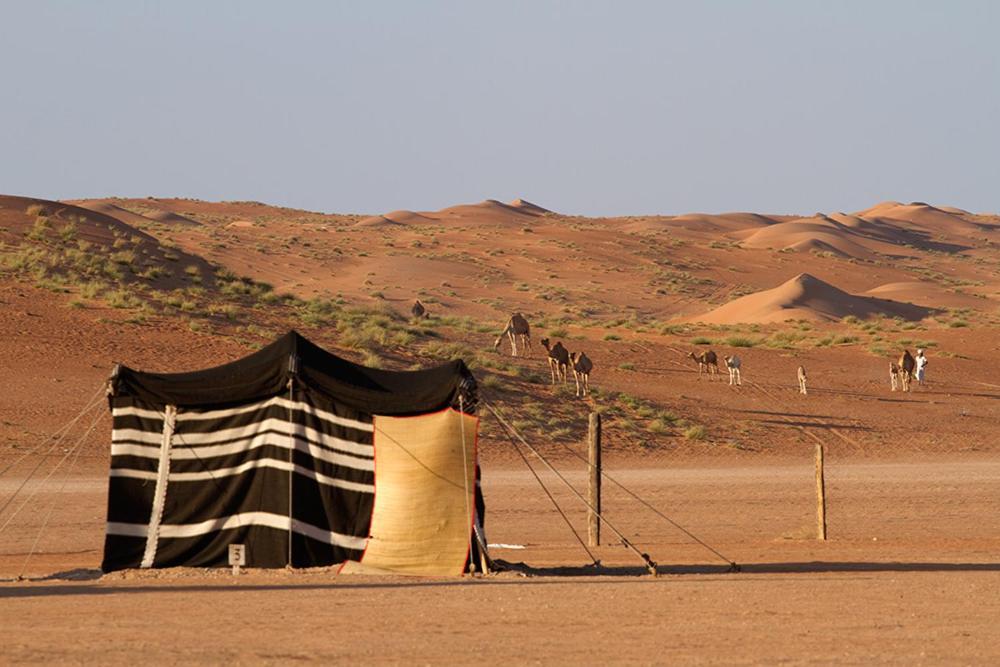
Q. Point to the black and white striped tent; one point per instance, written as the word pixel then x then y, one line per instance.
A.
pixel 304 458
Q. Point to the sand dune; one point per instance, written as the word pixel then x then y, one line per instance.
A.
pixel 929 294
pixel 116 212
pixel 377 221
pixel 934 220
pixel 131 217
pixel 809 298
pixel 721 223
pixel 404 217
pixel 488 211
pixel 811 234
pixel 401 217
pixel 490 208
pixel 92 225
pixel 170 217
pixel 107 235
pixel 528 207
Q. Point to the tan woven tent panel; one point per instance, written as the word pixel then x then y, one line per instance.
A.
pixel 424 494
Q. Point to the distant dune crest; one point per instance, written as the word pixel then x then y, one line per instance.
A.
pixel 806 297
pixel 488 211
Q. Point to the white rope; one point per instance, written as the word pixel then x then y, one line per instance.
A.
pixel 465 475
pixel 52 506
pixel 51 472
pixel 64 429
pixel 650 564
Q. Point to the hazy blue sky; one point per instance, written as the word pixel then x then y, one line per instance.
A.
pixel 584 107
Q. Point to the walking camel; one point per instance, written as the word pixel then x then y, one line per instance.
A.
pixel 802 380
pixel 903 369
pixel 418 310
pixel 558 360
pixel 516 328
pixel 733 365
pixel 707 362
pixel 582 365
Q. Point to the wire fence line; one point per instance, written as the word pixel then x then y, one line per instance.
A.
pixel 737 502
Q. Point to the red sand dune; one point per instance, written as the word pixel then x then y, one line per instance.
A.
pixel 934 220
pixel 721 223
pixel 925 293
pixel 401 217
pixel 817 233
pixel 105 233
pixel 488 211
pixel 806 297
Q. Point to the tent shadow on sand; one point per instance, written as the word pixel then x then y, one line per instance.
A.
pixel 540 576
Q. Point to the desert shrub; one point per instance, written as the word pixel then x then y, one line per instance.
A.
pixel 121 299
pixel 558 332
pixel 958 324
pixel 373 360
pixel 696 432
pixel 315 312
pixel 612 336
pixel 658 426
pixel 701 340
pixel 39 229
pixel 490 381
pixel 124 257
pixel 68 231
pixel 740 341
pixel 627 366
pixel 784 340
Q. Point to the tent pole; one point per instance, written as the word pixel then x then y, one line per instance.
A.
pixel 291 462
pixel 465 478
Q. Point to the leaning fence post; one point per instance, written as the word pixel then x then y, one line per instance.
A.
pixel 820 495
pixel 594 488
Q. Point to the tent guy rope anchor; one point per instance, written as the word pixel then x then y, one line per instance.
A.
pixel 650 564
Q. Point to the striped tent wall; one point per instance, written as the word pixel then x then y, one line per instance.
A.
pixel 186 483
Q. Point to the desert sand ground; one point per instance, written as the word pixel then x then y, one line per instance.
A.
pixel 910 571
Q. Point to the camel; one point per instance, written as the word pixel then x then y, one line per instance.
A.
pixel 707 362
pixel 894 375
pixel 733 365
pixel 418 310
pixel 558 360
pixel 582 365
pixel 802 380
pixel 517 327
pixel 906 365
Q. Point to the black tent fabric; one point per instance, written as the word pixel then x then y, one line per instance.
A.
pixel 273 451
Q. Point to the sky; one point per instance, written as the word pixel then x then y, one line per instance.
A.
pixel 591 108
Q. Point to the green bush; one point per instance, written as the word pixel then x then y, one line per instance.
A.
pixel 739 341
pixel 696 432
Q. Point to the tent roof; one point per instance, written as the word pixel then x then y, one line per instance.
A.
pixel 266 373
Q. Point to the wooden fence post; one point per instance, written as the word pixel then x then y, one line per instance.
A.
pixel 594 488
pixel 820 495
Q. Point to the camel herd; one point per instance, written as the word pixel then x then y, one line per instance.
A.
pixel 902 372
pixel 560 359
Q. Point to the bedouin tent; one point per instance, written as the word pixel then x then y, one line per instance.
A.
pixel 304 458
